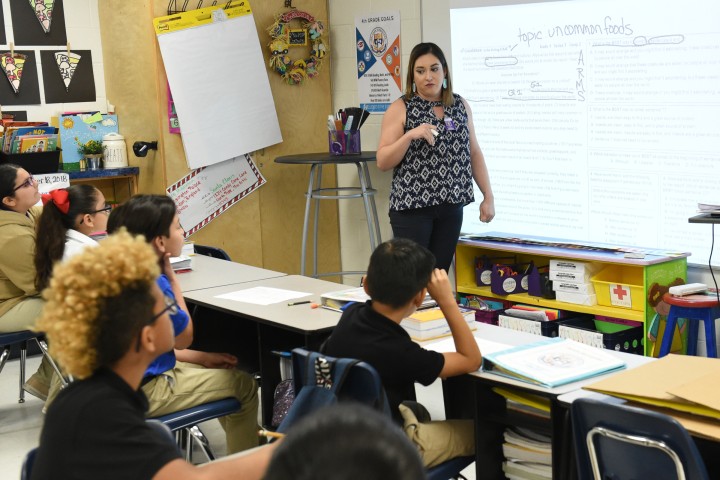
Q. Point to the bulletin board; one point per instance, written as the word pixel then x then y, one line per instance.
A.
pixel 209 191
pixel 219 82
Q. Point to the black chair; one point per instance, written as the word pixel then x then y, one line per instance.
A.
pixel 614 440
pixel 363 384
pixel 214 252
pixel 27 465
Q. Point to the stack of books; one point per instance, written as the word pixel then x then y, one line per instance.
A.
pixel 29 137
pixel 528 454
pixel 341 299
pixel 430 323
pixel 180 264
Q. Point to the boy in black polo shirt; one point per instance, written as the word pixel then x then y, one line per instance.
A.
pixel 107 320
pixel 398 277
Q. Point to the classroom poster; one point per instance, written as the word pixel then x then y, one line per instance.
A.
pixel 205 193
pixel 377 45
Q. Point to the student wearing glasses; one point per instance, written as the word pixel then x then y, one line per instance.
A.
pixel 20 303
pixel 177 380
pixel 107 321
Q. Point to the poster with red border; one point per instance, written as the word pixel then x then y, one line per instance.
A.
pixel 207 192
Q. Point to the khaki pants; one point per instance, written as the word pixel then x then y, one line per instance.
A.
pixel 22 316
pixel 188 385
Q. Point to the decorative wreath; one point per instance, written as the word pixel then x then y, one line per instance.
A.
pixel 283 38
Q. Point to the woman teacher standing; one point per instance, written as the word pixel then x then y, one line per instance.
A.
pixel 428 138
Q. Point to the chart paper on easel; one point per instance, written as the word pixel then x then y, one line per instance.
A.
pixel 220 87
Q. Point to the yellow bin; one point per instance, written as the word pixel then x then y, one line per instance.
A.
pixel 620 287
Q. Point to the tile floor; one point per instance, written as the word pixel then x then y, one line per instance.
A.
pixel 20 424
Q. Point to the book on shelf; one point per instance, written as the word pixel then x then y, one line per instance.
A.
pixel 525 454
pixel 525 402
pixel 528 448
pixel 13 132
pixel 552 362
pixel 35 143
pixel 431 323
pixel 341 299
pixel 182 263
pixel 515 470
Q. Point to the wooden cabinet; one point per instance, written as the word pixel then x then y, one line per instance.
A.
pixel 117 184
pixel 657 267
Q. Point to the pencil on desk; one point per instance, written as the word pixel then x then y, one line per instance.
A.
pixel 269 434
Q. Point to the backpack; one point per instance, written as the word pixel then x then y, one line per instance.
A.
pixel 324 378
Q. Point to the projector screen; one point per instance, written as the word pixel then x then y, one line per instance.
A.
pixel 599 119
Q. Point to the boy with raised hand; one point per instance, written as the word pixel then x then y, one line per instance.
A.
pixel 398 277
pixel 107 320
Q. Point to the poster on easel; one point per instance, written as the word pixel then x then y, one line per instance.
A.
pixel 219 82
pixel 205 193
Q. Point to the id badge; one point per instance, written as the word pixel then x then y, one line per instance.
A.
pixel 449 123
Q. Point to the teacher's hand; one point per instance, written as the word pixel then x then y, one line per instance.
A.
pixel 424 131
pixel 487 210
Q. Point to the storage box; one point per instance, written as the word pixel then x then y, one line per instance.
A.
pixel 483 268
pixel 539 283
pixel 344 142
pixel 571 287
pixel 35 162
pixel 588 299
pixel 507 279
pixel 497 307
pixel 579 268
pixel 616 286
pixel 603 334
pixel 546 329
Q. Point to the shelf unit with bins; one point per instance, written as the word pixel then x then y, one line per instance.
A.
pixel 657 267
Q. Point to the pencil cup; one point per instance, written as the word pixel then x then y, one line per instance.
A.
pixel 344 142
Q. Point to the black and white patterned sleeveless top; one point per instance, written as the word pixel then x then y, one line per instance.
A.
pixel 433 175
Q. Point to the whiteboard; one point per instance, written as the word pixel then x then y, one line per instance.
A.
pixel 220 87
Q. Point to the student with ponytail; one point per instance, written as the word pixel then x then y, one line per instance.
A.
pixel 70 216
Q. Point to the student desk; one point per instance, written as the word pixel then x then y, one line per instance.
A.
pixel 208 272
pixel 471 396
pixel 315 193
pixel 267 328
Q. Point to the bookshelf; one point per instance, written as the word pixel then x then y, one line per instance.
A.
pixel 117 184
pixel 656 267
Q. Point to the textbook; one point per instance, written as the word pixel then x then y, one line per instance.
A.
pixel 341 299
pixel 552 362
pixel 430 323
pixel 181 264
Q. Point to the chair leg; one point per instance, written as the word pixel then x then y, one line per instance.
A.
pixel 202 441
pixel 4 356
pixel 710 334
pixel 668 333
pixel 23 357
pixel 43 346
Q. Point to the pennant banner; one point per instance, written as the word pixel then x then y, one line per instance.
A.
pixel 67 62
pixel 43 11
pixel 13 66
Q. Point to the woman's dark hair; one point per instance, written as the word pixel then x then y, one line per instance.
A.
pixel 148 215
pixel 418 51
pixel 370 446
pixel 8 174
pixel 54 224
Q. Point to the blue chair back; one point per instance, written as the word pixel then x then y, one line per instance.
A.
pixel 614 440
pixel 27 465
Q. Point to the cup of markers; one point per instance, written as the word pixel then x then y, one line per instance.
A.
pixel 344 131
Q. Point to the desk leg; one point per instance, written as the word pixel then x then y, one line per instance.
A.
pixel 308 199
pixel 366 202
pixel 563 443
pixel 368 182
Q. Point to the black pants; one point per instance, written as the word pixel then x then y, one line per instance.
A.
pixel 436 228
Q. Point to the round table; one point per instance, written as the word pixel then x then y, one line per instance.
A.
pixel 315 193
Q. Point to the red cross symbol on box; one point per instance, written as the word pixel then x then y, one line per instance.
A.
pixel 620 292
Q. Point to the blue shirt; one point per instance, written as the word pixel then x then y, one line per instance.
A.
pixel 180 320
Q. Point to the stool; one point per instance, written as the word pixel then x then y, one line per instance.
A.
pixel 693 308
pixel 315 193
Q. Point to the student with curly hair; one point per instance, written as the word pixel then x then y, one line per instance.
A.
pixel 107 321
pixel 177 380
pixel 20 303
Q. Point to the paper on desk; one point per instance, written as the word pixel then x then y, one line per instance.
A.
pixel 448 345
pixel 262 295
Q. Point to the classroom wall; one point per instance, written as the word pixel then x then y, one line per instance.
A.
pixel 354 240
pixel 264 229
